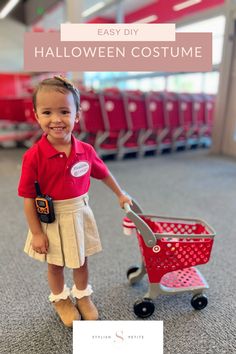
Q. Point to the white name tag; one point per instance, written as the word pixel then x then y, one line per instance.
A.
pixel 79 169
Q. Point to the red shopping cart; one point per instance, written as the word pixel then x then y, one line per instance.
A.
pixel 171 248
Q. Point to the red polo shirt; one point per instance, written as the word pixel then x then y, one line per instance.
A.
pixel 60 176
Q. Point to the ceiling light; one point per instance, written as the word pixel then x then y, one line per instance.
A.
pixel 185 4
pixel 8 8
pixel 93 9
pixel 147 19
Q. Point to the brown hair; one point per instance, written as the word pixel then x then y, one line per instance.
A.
pixel 60 84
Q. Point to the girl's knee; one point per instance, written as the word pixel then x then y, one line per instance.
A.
pixel 55 269
pixel 82 267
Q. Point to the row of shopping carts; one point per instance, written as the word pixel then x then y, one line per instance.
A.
pixel 120 122
pixel 18 125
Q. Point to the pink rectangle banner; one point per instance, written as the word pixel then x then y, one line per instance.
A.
pixel 190 52
pixel 84 32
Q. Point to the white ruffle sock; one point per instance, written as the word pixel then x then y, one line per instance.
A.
pixel 62 296
pixel 79 294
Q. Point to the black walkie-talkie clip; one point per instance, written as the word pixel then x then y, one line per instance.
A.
pixel 44 206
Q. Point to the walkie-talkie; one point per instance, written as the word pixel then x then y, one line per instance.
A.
pixel 44 206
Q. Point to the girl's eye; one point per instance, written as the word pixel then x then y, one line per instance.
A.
pixel 46 112
pixel 65 112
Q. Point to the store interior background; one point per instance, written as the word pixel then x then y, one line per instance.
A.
pixel 192 16
pixel 44 16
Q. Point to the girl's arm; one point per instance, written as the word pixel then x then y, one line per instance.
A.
pixel 40 240
pixel 114 186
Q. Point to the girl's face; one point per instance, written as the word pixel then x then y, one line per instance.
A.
pixel 56 114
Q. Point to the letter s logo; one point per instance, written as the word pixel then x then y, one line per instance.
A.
pixel 119 336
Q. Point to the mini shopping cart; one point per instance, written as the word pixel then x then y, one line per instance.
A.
pixel 171 248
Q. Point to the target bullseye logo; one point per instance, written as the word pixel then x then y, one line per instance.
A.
pixel 156 249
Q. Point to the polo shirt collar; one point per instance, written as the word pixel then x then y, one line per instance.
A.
pixel 50 151
pixel 78 146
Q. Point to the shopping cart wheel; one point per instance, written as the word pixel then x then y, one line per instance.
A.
pixel 199 301
pixel 144 308
pixel 131 270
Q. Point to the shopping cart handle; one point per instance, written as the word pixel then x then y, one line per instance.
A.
pixel 135 205
pixel 147 234
pixel 127 208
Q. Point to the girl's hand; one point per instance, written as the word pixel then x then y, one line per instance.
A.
pixel 123 198
pixel 40 243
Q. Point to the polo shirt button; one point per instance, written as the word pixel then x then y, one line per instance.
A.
pixel 61 155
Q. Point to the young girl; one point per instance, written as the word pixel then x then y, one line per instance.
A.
pixel 62 165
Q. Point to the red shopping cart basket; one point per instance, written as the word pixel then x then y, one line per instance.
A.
pixel 171 248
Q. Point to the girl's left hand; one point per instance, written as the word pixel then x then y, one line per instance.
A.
pixel 123 198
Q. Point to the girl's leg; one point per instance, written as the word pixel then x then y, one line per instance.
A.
pixel 59 296
pixel 80 276
pixel 56 278
pixel 82 291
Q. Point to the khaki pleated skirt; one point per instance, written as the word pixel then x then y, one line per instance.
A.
pixel 72 236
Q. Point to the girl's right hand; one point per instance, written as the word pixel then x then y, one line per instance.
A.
pixel 40 243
